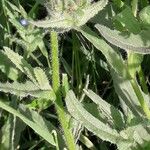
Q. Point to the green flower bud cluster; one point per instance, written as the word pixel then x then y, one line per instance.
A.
pixel 64 15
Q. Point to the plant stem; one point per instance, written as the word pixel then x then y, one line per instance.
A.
pixel 6 23
pixel 134 4
pixel 143 81
pixel 77 70
pixel 32 11
pixel 140 97
pixel 56 87
pixel 134 83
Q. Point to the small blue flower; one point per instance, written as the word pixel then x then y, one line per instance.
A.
pixel 24 22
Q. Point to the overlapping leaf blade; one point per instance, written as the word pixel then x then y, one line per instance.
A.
pixel 38 86
pixel 90 122
pixel 20 63
pixel 27 89
pixel 109 111
pixel 92 10
pixel 117 64
pixel 32 119
pixel 42 79
pixel 7 67
pixel 139 43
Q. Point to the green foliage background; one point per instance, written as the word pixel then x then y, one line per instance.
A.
pixel 102 99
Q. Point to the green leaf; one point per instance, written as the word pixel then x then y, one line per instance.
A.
pixel 90 122
pixel 32 119
pixel 66 67
pixel 145 15
pixel 126 94
pixel 91 11
pixel 128 21
pixel 10 133
pixel 62 23
pixel 66 21
pixel 40 1
pixel 25 89
pixel 134 63
pixel 109 111
pixel 40 104
pixel 7 67
pixel 13 7
pixel 65 84
pixel 140 137
pixel 114 60
pixel 20 63
pixel 43 48
pixel 104 16
pixel 87 142
pixel 138 43
pixel 42 79
pixel 118 3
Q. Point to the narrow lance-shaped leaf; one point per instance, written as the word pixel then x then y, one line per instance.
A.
pixel 7 67
pixel 42 79
pixel 126 94
pixel 114 60
pixel 91 11
pixel 32 119
pixel 139 43
pixel 20 63
pixel 109 111
pixel 11 132
pixel 90 122
pixel 63 23
pixel 25 89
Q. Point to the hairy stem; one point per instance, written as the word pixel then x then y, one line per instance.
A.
pixel 56 87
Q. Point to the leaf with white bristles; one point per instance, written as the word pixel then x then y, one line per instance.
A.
pixel 20 63
pixel 32 119
pixel 139 43
pixel 91 11
pixel 109 111
pixel 26 89
pixel 90 122
pixel 42 79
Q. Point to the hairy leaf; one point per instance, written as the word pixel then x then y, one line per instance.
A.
pixel 62 23
pixel 126 94
pixel 138 43
pixel 91 11
pixel 32 119
pixel 20 63
pixel 140 137
pixel 145 15
pixel 7 67
pixel 42 79
pixel 114 60
pixel 90 122
pixel 109 111
pixel 25 89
